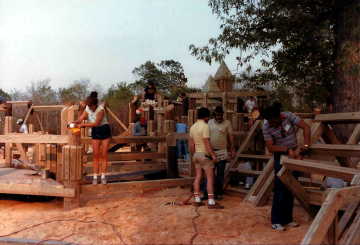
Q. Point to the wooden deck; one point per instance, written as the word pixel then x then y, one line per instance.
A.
pixel 22 181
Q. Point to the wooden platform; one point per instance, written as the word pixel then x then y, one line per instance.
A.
pixel 21 181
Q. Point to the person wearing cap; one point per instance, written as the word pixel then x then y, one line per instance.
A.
pixel 181 128
pixel 220 129
pixel 280 139
pixel 140 129
pixel 149 94
pixel 203 157
pixel 2 100
pixel 138 115
pixel 250 103
pixel 23 127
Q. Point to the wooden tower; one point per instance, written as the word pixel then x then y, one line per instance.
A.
pixel 224 79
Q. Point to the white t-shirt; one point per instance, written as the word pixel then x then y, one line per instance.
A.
pixel 93 114
pixel 250 104
pixel 24 129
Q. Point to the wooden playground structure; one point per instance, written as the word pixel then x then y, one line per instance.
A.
pixel 67 158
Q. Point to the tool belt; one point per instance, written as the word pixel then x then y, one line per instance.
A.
pixel 221 154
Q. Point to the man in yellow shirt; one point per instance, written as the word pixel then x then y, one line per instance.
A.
pixel 200 145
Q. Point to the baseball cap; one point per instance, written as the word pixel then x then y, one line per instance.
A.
pixel 143 121
pixel 2 99
pixel 19 121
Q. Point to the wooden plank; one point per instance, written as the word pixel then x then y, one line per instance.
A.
pixel 126 140
pixel 346 216
pixel 295 188
pixel 355 136
pixel 341 118
pixel 21 151
pixel 129 168
pixel 40 190
pixel 257 158
pixel 244 146
pixel 116 118
pixel 148 184
pixel 325 216
pixel 246 173
pixel 72 164
pixel 265 191
pixel 353 234
pixel 332 234
pixel 28 114
pixel 122 156
pixel 66 162
pixel 322 169
pixel 48 108
pixel 18 103
pixel 39 121
pixel 48 156
pixel 259 183
pixel 335 150
pixel 32 138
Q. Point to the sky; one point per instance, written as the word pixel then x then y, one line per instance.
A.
pixel 102 40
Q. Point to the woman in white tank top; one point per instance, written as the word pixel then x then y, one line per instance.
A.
pixel 100 133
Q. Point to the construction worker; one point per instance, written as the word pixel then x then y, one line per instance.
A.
pixel 250 104
pixel 280 139
pixel 203 152
pixel 220 128
pixel 23 127
pixel 138 115
pixel 149 95
pixel 181 128
pixel 100 134
pixel 140 129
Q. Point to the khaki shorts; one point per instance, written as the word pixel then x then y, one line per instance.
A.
pixel 203 162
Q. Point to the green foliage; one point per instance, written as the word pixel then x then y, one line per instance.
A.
pixel 4 94
pixel 176 92
pixel 77 90
pixel 296 39
pixel 165 76
pixel 283 95
pixel 41 93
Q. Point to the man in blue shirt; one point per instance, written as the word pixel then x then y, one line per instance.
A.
pixel 182 128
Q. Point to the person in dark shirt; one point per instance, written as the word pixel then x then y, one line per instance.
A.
pixel 149 94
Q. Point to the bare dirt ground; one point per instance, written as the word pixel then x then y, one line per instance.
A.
pixel 141 217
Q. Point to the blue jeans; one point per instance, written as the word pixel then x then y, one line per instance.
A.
pixel 283 200
pixel 179 143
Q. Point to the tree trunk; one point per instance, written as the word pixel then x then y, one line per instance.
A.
pixel 347 64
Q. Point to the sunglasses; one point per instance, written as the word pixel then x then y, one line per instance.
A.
pixel 283 133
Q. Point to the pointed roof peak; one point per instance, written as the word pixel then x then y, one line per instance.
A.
pixel 223 71
pixel 210 86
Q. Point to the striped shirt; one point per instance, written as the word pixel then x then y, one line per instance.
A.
pixel 287 130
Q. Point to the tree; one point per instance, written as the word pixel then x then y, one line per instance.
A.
pixel 165 76
pixel 303 40
pixel 77 90
pixel 4 94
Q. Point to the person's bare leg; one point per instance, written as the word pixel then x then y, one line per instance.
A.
pixel 104 154
pixel 210 176
pixel 198 180
pixel 96 151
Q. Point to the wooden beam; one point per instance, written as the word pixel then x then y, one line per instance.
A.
pixel 123 156
pixel 244 146
pixel 253 158
pixel 246 173
pixel 18 103
pixel 129 168
pixel 353 206
pixel 259 183
pixel 116 118
pixel 355 136
pixel 340 118
pixel 40 190
pixel 325 217
pixel 346 174
pixel 32 138
pixel 127 140
pixel 49 108
pixel 265 191
pixel 335 150
pixel 353 234
pixel 28 114
pixel 21 151
pixel 295 188
pixel 113 187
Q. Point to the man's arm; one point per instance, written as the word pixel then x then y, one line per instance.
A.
pixel 155 96
pixel 192 146
pixel 210 150
pixel 276 149
pixel 143 96
pixel 306 131
pixel 232 146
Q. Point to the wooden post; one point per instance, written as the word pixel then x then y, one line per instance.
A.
pixel 241 122
pixel 192 104
pixel 8 150
pixel 151 113
pixel 72 169
pixel 132 111
pixel 9 110
pixel 171 156
pixel 185 106
pixel 205 100
pixel 166 103
pixel 31 128
pixel 170 112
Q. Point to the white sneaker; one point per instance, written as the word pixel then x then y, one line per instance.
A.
pixel 278 227
pixel 292 224
pixel 94 181
pixel 103 181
